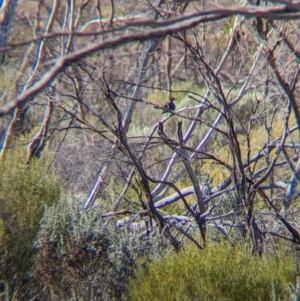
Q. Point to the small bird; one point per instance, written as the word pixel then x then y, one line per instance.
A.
pixel 169 106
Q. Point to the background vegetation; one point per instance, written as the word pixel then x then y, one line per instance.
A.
pixel 220 272
pixel 103 197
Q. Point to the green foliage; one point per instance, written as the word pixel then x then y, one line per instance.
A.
pixel 295 291
pixel 5 78
pixel 25 192
pixel 52 249
pixel 219 272
pixel 79 257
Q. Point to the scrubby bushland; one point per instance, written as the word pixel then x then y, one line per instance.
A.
pixel 80 257
pixel 25 193
pixel 51 249
pixel 93 89
pixel 220 272
pixel 226 160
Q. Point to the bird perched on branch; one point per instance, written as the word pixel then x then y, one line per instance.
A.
pixel 169 106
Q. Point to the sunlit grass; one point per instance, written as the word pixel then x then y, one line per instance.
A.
pixel 220 272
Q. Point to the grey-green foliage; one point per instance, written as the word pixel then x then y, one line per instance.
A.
pixel 79 258
pixel 83 257
pixel 294 291
pixel 25 193
pixel 52 249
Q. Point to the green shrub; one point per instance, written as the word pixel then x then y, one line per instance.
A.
pixel 25 192
pixel 79 257
pixel 52 249
pixel 219 272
